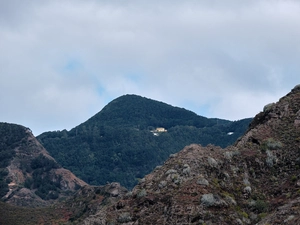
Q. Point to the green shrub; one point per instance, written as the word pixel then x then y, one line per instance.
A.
pixel 294 178
pixel 270 144
pixel 3 182
pixel 244 214
pixel 262 215
pixel 273 145
pixel 141 193
pixel 28 182
pixel 261 206
pixel 43 162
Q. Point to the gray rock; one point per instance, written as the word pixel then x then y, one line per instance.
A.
pixel 212 162
pixel 124 217
pixel 173 155
pixel 296 88
pixel 247 189
pixel 170 171
pixel 141 193
pixel 208 200
pixel 162 184
pixel 230 200
pixel 268 107
pixel 202 181
pixel 186 170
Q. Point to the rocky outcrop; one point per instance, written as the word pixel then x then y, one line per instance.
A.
pixel 88 204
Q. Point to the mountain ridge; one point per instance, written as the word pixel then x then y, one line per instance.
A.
pixel 254 181
pixel 139 107
pixel 119 142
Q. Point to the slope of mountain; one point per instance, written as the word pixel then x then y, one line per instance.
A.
pixel 255 181
pixel 121 143
pixel 82 205
pixel 29 175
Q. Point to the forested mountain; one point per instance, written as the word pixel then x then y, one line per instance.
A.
pixel 254 181
pixel 121 143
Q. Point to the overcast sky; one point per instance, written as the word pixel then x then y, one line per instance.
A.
pixel 62 61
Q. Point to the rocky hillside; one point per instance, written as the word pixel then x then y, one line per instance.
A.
pixel 121 143
pixel 29 175
pixel 81 208
pixel 255 181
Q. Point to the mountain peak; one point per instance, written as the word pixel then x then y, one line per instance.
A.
pixel 123 142
pixel 255 181
pixel 138 111
pixel 296 88
pixel 276 118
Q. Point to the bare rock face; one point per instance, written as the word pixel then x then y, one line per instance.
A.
pixel 68 180
pixel 254 181
pixel 25 197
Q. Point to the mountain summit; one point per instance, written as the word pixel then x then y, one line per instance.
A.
pixel 254 181
pixel 132 135
pixel 140 112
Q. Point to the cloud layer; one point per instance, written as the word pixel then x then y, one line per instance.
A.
pixel 62 61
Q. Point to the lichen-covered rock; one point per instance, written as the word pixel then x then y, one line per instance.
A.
pixel 271 144
pixel 202 181
pixel 230 200
pixel 141 193
pixel 212 162
pixel 157 167
pixel 210 199
pixel 247 189
pixel 268 107
pixel 173 155
pixel 296 88
pixel 170 171
pixel 186 170
pixel 124 217
pixel 162 184
pixel 271 159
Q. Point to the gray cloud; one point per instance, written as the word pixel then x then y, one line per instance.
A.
pixel 62 61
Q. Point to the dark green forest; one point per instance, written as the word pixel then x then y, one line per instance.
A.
pixel 46 187
pixel 118 143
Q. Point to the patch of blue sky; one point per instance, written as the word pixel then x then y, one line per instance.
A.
pixel 202 110
pixel 100 90
pixel 72 66
pixel 133 76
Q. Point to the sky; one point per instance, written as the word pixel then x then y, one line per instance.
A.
pixel 62 61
